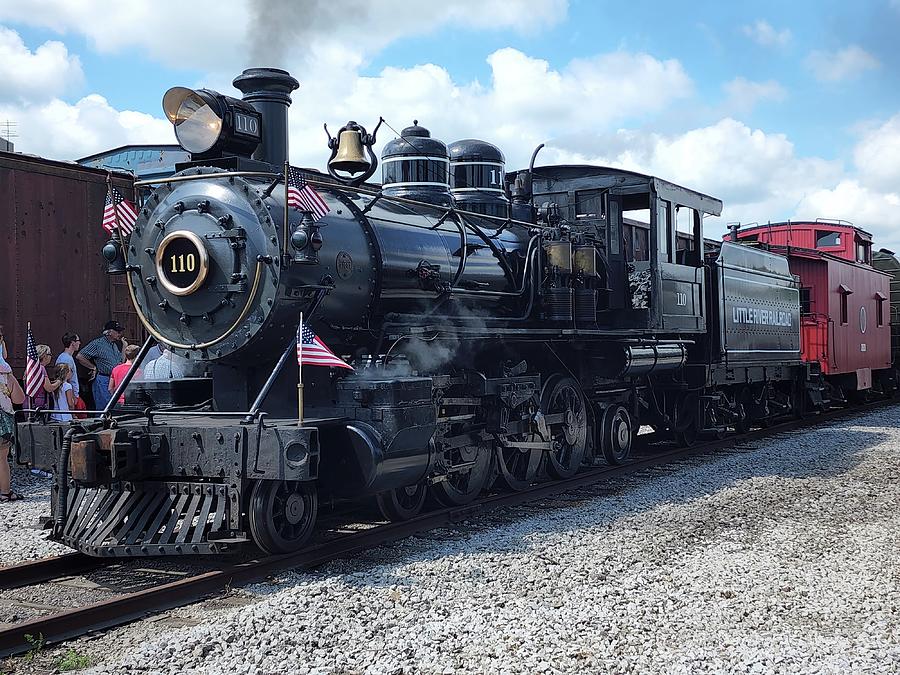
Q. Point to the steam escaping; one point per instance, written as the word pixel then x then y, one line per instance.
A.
pixel 446 350
pixel 276 25
pixel 431 356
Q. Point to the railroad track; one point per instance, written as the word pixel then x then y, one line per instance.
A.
pixel 130 606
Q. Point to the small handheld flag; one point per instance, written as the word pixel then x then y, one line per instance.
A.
pixel 311 351
pixel 34 378
pixel 301 195
pixel 118 212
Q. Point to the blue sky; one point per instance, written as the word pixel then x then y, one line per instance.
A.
pixel 783 110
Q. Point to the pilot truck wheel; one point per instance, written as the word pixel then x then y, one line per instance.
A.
pixel 282 514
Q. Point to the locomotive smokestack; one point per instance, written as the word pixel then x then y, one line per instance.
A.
pixel 269 91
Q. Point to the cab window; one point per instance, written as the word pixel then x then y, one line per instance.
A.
pixel 826 238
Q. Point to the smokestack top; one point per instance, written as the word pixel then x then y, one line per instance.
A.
pixel 269 91
pixel 266 83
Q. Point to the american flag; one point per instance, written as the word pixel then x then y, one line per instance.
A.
pixel 127 214
pixel 34 377
pixel 311 351
pixel 301 195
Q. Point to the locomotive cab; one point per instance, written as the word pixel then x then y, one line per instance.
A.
pixel 649 278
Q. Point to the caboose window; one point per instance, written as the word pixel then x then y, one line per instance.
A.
pixel 863 251
pixel 825 238
pixel 879 310
pixel 844 311
pixel 805 301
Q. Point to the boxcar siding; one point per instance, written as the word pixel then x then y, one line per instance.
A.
pixel 860 343
pixel 53 274
pixel 848 348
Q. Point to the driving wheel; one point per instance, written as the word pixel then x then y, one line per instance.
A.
pixel 562 397
pixel 282 514
pixel 463 484
pixel 402 503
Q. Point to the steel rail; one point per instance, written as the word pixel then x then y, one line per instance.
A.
pixel 38 571
pixel 123 609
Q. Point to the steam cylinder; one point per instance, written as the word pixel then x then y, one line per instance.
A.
pixel 416 166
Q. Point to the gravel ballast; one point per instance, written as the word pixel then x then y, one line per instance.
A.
pixel 21 538
pixel 782 557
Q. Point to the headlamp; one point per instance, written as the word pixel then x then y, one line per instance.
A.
pixel 209 124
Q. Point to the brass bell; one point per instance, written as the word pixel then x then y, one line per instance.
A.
pixel 349 157
pixel 347 153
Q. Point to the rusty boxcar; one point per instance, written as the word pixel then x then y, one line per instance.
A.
pixel 50 268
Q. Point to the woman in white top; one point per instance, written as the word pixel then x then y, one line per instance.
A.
pixel 65 395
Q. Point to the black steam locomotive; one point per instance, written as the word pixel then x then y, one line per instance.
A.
pixel 503 328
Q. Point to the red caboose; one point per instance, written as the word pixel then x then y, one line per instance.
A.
pixel 844 301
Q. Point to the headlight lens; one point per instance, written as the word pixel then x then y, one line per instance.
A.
pixel 197 125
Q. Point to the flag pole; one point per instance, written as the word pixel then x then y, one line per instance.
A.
pixel 30 401
pixel 300 374
pixel 286 212
pixel 112 198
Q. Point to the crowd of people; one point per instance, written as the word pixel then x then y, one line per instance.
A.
pixel 105 360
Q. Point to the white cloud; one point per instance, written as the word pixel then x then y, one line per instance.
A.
pixel 35 76
pixel 875 211
pixel 877 156
pixel 60 130
pixel 763 33
pixel 205 34
pixel 197 36
pixel 744 94
pixel 845 64
pixel 526 102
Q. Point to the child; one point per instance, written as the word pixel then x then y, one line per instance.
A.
pixel 65 395
pixel 119 372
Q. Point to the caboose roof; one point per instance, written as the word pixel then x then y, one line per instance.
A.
pixel 815 254
pixel 806 225
pixel 559 177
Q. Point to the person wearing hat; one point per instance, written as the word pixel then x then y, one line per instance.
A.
pixel 100 356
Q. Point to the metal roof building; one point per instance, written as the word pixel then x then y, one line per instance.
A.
pixel 144 161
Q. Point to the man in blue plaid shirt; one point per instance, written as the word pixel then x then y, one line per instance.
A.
pixel 100 356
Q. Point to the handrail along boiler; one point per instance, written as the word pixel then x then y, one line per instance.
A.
pixel 504 329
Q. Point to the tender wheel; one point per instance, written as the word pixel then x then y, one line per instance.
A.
pixel 617 434
pixel 282 514
pixel 562 396
pixel 461 487
pixel 402 503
